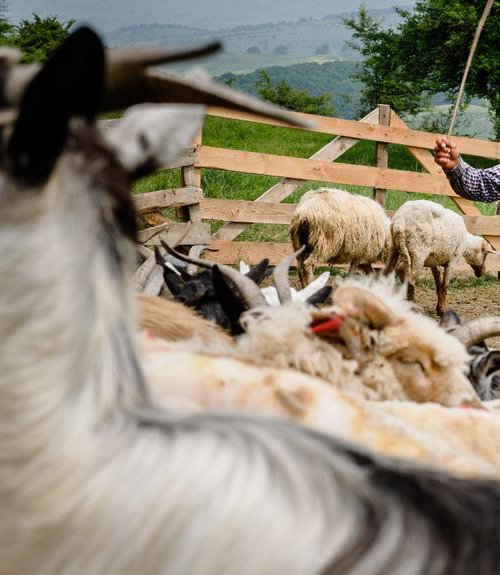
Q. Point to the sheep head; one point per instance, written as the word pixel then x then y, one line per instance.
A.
pixel 476 253
pixel 401 354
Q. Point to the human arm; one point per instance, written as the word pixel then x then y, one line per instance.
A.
pixel 481 185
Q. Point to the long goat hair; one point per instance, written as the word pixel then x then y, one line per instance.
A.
pixel 94 478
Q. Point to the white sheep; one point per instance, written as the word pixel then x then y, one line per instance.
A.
pixel 425 234
pixel 337 227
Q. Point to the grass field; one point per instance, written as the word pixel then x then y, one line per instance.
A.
pixel 287 142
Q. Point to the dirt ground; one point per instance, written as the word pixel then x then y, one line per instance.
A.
pixel 468 301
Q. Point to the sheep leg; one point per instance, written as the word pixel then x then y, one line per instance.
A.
pixel 416 267
pixel 366 268
pixel 441 288
pixel 305 267
pixel 353 268
pixel 392 260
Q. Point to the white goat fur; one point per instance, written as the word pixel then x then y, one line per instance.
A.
pixel 338 228
pixel 425 234
pixel 90 481
pixel 94 478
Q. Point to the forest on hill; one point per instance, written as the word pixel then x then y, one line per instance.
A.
pixel 335 78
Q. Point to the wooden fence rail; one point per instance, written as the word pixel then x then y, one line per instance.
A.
pixel 381 125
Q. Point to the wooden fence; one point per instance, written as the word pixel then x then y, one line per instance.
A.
pixel 381 125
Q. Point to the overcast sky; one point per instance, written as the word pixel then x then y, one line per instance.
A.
pixel 112 14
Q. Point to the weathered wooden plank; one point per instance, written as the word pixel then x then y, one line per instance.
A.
pixel 302 169
pixel 190 234
pixel 246 212
pixel 287 186
pixel 277 213
pixel 253 252
pixel 390 135
pixel 169 198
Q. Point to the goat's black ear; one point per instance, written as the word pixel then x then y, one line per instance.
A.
pixel 70 84
pixel 229 301
pixel 258 272
pixel 174 282
pixel 320 296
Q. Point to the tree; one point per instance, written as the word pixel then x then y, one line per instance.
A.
pixel 36 38
pixel 39 37
pixel 426 55
pixel 298 100
pixel 5 27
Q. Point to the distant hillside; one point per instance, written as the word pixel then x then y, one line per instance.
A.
pixel 113 14
pixel 330 77
pixel 252 46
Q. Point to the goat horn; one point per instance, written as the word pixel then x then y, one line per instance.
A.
pixel 249 290
pixel 281 277
pixel 207 264
pixel 143 272
pixel 356 301
pixel 131 80
pixel 125 68
pixel 476 330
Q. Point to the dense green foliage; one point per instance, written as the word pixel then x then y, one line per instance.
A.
pixel 334 78
pixel 37 38
pixel 283 94
pixel 426 54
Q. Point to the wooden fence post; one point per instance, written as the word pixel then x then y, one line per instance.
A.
pixel 191 176
pixel 382 151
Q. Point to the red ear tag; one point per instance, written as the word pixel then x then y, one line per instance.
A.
pixel 331 324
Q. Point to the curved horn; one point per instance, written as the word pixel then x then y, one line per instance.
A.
pixel 131 80
pixel 476 330
pixel 356 301
pixel 143 272
pixel 281 278
pixel 207 264
pixel 249 290
pixel 125 68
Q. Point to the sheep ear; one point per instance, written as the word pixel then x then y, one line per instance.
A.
pixel 150 136
pixel 70 84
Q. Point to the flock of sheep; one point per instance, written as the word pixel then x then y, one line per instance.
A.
pixel 337 228
pixel 138 437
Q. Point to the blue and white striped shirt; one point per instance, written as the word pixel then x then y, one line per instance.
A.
pixel 473 183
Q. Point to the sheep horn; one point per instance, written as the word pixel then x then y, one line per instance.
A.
pixel 281 277
pixel 476 330
pixel 356 302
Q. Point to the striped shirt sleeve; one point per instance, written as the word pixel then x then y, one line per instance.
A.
pixel 475 184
